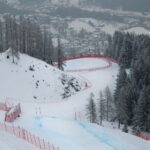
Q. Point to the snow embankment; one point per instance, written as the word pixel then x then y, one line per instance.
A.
pixel 31 79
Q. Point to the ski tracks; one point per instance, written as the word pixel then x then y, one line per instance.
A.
pixel 105 137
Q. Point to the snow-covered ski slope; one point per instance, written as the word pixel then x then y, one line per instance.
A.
pixel 55 121
pixel 10 142
pixel 69 134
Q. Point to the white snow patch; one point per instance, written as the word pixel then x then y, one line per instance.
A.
pixel 2 115
pixel 87 63
pixel 110 29
pixel 138 30
pixel 78 25
pixel 10 142
pixel 65 2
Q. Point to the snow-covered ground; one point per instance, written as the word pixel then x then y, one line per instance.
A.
pixel 86 63
pixel 32 80
pixel 67 2
pixel 110 29
pixel 10 142
pixel 78 25
pixel 55 121
pixel 138 30
pixel 2 116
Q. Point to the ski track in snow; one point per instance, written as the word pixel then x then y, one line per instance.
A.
pixel 105 138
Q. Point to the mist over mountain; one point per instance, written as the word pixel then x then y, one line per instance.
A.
pixel 132 5
pixel 83 24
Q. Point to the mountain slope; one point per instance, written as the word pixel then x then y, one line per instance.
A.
pixel 32 79
pixel 55 122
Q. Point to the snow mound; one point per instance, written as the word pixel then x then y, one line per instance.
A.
pixel 31 79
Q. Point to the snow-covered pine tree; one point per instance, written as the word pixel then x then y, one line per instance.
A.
pixel 60 56
pixel 142 112
pixel 121 107
pixel 91 110
pixel 126 51
pixel 1 37
pixel 109 103
pixel 121 81
pixel 102 108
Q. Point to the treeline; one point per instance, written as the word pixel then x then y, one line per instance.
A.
pixel 132 95
pixel 102 110
pixel 25 36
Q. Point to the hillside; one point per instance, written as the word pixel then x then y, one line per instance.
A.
pixel 64 123
pixel 30 79
pixel 55 122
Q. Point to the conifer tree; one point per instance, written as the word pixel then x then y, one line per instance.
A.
pixel 91 110
pixel 142 113
pixel 101 109
pixel 109 101
pixel 60 56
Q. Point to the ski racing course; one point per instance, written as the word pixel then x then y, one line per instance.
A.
pixel 64 123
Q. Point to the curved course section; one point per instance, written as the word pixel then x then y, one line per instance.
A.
pixel 87 63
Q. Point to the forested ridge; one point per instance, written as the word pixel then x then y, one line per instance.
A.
pixel 132 94
pixel 25 36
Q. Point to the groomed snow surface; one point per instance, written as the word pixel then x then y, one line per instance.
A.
pixel 85 63
pixel 10 142
pixel 55 121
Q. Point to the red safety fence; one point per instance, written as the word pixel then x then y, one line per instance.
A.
pixel 107 59
pixel 109 64
pixel 28 137
pixel 112 60
pixel 4 107
pixel 145 136
pixel 13 113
